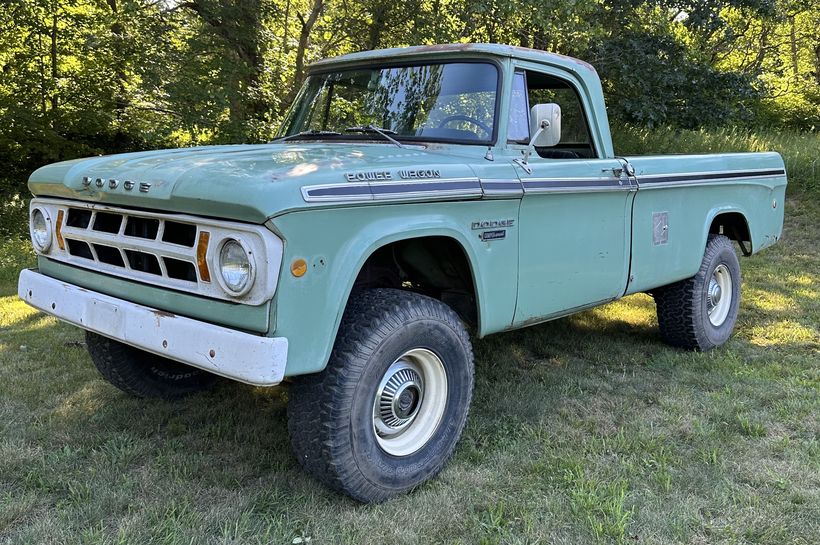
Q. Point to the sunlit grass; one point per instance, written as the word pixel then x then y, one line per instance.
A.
pixel 784 332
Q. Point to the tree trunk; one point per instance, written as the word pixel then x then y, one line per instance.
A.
pixel 285 26
pixel 793 40
pixel 54 71
pixel 761 51
pixel 374 34
pixel 239 24
pixel 817 63
pixel 301 50
pixel 121 99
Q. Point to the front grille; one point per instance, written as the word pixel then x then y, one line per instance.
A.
pixel 145 228
pixel 173 251
pixel 169 254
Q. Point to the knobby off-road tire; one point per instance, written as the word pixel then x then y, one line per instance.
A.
pixel 386 413
pixel 698 313
pixel 143 374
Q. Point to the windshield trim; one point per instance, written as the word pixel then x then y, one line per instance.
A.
pixel 422 62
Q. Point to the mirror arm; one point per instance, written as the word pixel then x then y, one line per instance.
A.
pixel 531 146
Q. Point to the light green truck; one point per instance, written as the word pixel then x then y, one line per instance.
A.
pixel 413 194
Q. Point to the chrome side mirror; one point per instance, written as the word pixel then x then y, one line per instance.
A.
pixel 545 125
pixel 545 130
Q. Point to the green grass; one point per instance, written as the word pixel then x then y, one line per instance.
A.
pixel 583 430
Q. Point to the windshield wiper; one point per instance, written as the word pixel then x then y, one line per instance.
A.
pixel 373 129
pixel 313 133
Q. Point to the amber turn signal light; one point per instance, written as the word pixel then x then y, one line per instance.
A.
pixel 201 251
pixel 298 267
pixel 59 230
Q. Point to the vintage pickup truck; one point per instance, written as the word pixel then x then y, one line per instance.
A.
pixel 413 193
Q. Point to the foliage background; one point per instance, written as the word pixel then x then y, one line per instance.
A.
pixel 83 77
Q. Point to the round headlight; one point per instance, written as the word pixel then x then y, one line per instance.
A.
pixel 40 230
pixel 235 267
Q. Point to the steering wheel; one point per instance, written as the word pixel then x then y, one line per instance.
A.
pixel 468 119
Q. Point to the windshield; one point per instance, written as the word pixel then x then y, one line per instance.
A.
pixel 454 102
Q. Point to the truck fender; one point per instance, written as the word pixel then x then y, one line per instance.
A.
pixel 721 210
pixel 381 240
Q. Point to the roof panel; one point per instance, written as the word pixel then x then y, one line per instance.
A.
pixel 454 50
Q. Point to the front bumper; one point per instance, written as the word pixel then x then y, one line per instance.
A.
pixel 220 350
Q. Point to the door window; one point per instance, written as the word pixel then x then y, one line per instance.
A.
pixel 542 89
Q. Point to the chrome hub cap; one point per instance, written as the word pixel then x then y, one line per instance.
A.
pixel 719 295
pixel 410 402
pixel 714 294
pixel 399 398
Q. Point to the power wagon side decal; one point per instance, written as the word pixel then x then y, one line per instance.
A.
pixel 434 189
pixel 388 191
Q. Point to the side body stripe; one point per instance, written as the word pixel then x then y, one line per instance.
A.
pixel 571 185
pixel 678 179
pixel 434 189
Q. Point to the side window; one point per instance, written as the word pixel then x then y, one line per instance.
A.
pixel 518 127
pixel 531 88
pixel 573 124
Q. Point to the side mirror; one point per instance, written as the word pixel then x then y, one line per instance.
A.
pixel 545 131
pixel 545 125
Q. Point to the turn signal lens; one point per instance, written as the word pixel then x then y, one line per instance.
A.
pixel 298 267
pixel 59 230
pixel 201 252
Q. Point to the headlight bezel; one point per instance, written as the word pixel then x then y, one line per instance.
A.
pixel 251 266
pixel 49 229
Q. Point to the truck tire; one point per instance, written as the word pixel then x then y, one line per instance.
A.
pixel 699 313
pixel 386 413
pixel 142 374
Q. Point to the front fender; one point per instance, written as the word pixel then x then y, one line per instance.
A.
pixel 335 243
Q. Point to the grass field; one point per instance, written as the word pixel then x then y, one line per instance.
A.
pixel 583 430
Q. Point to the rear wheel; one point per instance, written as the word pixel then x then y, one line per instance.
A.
pixel 699 313
pixel 142 374
pixel 386 413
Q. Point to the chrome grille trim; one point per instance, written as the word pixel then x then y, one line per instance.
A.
pixel 264 247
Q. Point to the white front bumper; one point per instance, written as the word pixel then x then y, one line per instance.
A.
pixel 233 354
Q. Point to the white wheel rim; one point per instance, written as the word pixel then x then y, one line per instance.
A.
pixel 410 402
pixel 719 295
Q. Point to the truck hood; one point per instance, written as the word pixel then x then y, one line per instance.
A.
pixel 241 182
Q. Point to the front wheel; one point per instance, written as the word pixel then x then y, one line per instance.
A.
pixel 386 413
pixel 142 374
pixel 699 313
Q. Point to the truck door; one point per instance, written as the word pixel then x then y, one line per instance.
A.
pixel 574 218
